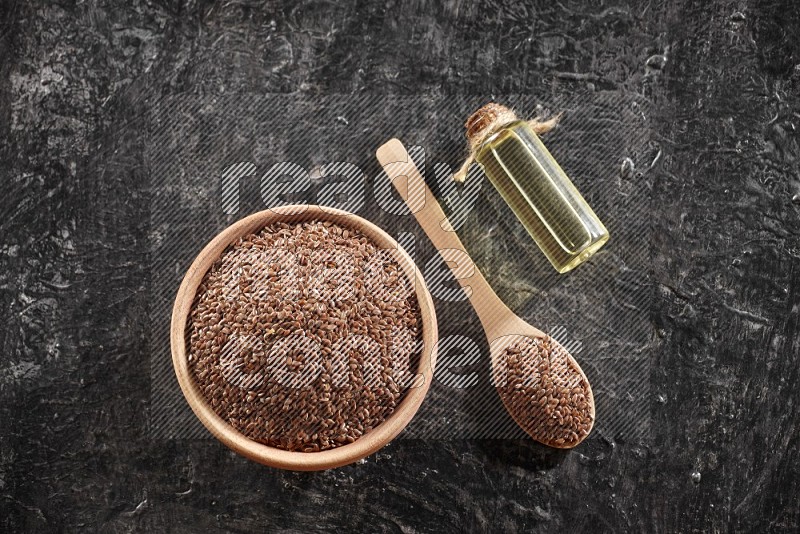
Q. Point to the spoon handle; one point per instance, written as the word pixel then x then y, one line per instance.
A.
pixel 420 200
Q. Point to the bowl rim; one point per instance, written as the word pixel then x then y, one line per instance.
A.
pixel 365 445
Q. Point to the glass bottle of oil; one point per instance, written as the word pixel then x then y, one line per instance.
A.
pixel 541 195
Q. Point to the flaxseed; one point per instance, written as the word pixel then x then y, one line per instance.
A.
pixel 304 336
pixel 545 394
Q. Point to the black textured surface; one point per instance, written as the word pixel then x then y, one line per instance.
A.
pixel 722 79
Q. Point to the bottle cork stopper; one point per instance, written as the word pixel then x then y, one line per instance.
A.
pixel 487 120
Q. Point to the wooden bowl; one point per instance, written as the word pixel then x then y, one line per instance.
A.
pixel 272 456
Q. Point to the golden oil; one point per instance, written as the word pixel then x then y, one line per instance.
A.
pixel 541 195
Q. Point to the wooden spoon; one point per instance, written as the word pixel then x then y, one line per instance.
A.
pixel 539 382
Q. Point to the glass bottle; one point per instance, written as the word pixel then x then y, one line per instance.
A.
pixel 539 193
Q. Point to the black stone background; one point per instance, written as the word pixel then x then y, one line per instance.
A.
pixel 722 79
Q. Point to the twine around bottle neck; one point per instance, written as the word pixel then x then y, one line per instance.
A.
pixel 489 120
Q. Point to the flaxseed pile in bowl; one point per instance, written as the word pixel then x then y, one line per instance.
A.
pixel 290 335
pixel 304 336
